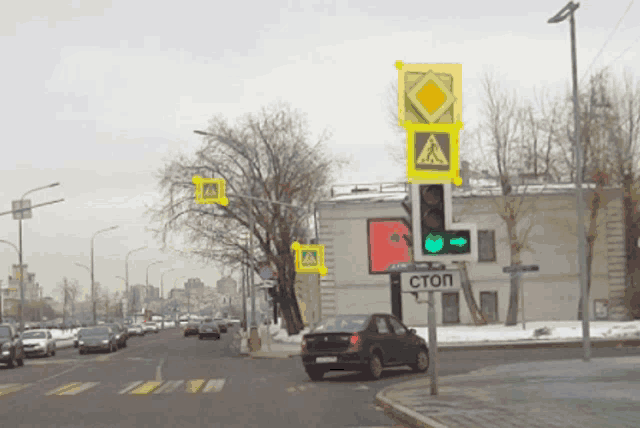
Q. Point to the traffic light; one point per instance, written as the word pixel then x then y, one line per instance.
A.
pixel 436 237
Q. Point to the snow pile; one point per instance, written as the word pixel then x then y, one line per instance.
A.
pixel 535 331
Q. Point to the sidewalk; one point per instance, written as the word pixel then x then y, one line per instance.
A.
pixel 275 350
pixel 604 392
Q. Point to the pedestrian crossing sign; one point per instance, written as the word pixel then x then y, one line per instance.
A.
pixel 309 258
pixel 210 190
pixel 433 153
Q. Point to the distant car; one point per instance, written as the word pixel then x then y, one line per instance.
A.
pixel 100 338
pixel 222 324
pixel 150 327
pixel 135 330
pixel 121 334
pixel 209 328
pixel 366 343
pixel 191 329
pixel 11 346
pixel 38 342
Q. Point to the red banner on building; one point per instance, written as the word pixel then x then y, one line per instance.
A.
pixel 386 244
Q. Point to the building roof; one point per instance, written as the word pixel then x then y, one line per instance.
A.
pixel 397 192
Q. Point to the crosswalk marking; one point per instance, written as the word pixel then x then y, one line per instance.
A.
pixel 12 387
pixel 169 387
pixel 64 388
pixel 194 386
pixel 79 389
pixel 130 387
pixel 146 388
pixel 214 385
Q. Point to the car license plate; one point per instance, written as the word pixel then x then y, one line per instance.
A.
pixel 327 360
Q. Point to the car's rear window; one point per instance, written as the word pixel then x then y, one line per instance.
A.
pixel 346 323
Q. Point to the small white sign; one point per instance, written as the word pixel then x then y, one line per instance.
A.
pixel 327 360
pixel 434 280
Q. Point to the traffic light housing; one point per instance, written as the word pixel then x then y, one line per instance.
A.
pixel 436 238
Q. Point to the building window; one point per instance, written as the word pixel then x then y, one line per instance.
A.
pixel 450 308
pixel 486 246
pixel 489 305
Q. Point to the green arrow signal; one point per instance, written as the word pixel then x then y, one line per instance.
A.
pixel 458 241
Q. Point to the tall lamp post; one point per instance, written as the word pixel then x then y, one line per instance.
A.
pixel 126 268
pixel 162 293
pixel 568 11
pixel 151 264
pixel 22 215
pixel 93 297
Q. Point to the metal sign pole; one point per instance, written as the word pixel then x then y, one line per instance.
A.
pixel 521 288
pixel 433 343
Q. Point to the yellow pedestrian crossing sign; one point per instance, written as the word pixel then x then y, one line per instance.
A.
pixel 433 153
pixel 309 258
pixel 210 190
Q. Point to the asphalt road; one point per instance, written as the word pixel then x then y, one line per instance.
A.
pixel 166 380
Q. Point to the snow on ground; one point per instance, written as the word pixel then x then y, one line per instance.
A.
pixel 552 330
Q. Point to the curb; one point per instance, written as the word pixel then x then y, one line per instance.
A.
pixel 595 343
pixel 404 415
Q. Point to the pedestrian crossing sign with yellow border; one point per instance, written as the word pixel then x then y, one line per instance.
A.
pixel 309 258
pixel 433 153
pixel 210 190
pixel 429 93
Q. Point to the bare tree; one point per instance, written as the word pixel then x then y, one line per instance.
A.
pixel 70 290
pixel 267 156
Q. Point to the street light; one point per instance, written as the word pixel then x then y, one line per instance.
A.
pixel 162 293
pixel 568 11
pixel 93 299
pixel 126 267
pixel 20 252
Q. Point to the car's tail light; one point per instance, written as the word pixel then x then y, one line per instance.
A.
pixel 303 345
pixel 355 342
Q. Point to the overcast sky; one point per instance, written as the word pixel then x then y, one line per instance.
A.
pixel 97 94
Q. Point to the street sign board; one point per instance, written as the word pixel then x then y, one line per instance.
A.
pixel 433 153
pixel 25 205
pixel 266 272
pixel 520 268
pixel 430 280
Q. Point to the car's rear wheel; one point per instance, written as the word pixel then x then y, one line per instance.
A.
pixel 422 361
pixel 200 337
pixel 82 352
pixel 13 362
pixel 314 373
pixel 53 353
pixel 375 366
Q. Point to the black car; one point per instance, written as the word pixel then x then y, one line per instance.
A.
pixel 11 348
pixel 366 343
pixel 209 328
pixel 191 329
pixel 222 324
pixel 100 338
pixel 121 334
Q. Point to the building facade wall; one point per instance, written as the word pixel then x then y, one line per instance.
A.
pixel 553 293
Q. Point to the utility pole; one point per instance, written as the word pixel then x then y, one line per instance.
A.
pixel 244 297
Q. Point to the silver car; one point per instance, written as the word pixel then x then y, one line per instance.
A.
pixel 38 342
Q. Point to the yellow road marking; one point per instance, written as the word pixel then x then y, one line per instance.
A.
pixel 12 387
pixel 79 389
pixel 130 387
pixel 194 386
pixel 214 385
pixel 146 388
pixel 64 388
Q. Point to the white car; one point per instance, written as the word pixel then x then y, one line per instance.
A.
pixel 150 327
pixel 38 342
pixel 134 330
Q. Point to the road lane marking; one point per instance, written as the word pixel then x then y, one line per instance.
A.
pixel 63 388
pixel 79 389
pixel 194 386
pixel 169 387
pixel 146 388
pixel 214 385
pixel 130 387
pixel 12 387
pixel 159 371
